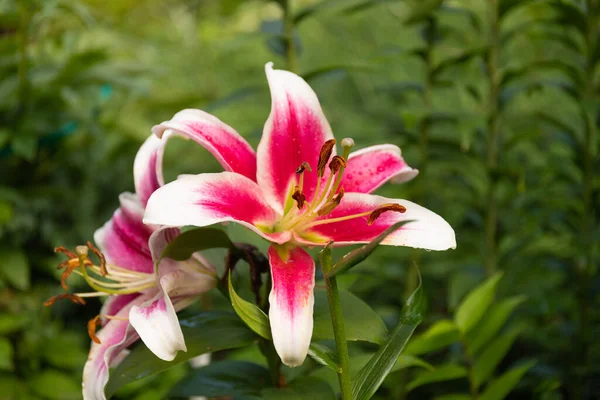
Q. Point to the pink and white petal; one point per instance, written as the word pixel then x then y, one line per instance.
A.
pixel 114 304
pixel 115 337
pixel 207 199
pixel 294 132
pixel 291 304
pixel 147 167
pixel 124 238
pixel 222 141
pixel 370 168
pixel 428 231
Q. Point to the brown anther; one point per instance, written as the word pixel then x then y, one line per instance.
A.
pixel 336 163
pixel 70 267
pixel 304 166
pixel 331 204
pixel 73 297
pixel 100 256
pixel 64 250
pixel 92 325
pixel 324 155
pixel 299 197
pixel 384 208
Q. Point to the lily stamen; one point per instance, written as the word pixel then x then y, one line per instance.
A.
pixel 385 208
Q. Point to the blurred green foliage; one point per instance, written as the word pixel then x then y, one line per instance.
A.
pixel 497 102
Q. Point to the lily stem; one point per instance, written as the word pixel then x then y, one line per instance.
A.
pixel 339 331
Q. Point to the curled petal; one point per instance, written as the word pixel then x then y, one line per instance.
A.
pixel 124 238
pixel 294 133
pixel 291 304
pixel 207 199
pixel 370 168
pixel 147 168
pixel 428 231
pixel 222 141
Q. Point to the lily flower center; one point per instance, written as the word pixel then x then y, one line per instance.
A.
pixel 300 214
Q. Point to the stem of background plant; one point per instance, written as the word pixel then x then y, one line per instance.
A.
pixel 339 331
pixel 288 33
pixel 23 68
pixel 469 360
pixel 493 131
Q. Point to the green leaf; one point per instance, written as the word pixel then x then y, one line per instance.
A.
pixel 361 322
pixel 371 376
pixel 492 322
pixel 250 313
pixel 6 355
pixel 489 359
pixel 25 145
pixel 306 388
pixel 501 387
pixel 204 333
pixel 441 334
pixel 454 396
pixel 474 306
pixel 196 239
pixel 324 355
pixel 223 379
pixel 441 374
pixel 357 256
pixel 14 267
pixel 10 323
pixel 55 385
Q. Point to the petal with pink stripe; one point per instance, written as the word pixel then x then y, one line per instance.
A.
pixel 427 231
pixel 207 199
pixel 222 141
pixel 294 132
pixel 370 168
pixel 147 167
pixel 291 303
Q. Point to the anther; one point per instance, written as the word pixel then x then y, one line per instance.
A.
pixel 384 208
pixel 91 326
pixel 100 256
pixel 304 166
pixel 73 297
pixel 324 155
pixel 64 250
pixel 331 204
pixel 299 197
pixel 336 163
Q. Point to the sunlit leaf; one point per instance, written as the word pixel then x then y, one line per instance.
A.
pixel 445 373
pixel 441 334
pixel 476 304
pixel 490 357
pixel 324 355
pixel 501 387
pixel 251 314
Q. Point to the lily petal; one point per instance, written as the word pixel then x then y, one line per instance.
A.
pixel 115 337
pixel 222 141
pixel 294 132
pixel 207 199
pixel 428 231
pixel 147 167
pixel 291 304
pixel 124 238
pixel 373 166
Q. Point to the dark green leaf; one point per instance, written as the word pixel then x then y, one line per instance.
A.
pixel 6 355
pixel 475 305
pixel 441 374
pixel 501 387
pixel 204 333
pixel 14 267
pixel 196 239
pixel 55 385
pixel 324 355
pixel 306 388
pixel 441 334
pixel 486 363
pixel 223 379
pixel 253 316
pixel 371 376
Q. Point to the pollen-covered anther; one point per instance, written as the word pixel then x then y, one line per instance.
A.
pixel 336 163
pixel 100 256
pixel 299 197
pixel 73 297
pixel 331 204
pixel 92 326
pixel 324 156
pixel 384 208
pixel 303 167
pixel 64 250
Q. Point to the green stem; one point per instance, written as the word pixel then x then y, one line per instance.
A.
pixel 339 331
pixel 471 370
pixel 493 129
pixel 290 45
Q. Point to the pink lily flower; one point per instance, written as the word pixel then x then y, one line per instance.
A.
pixel 294 192
pixel 142 301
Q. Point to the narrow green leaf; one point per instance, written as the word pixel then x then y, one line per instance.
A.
pixel 489 359
pixel 324 355
pixel 371 376
pixel 226 378
pixel 501 387
pixel 477 302
pixel 360 321
pixel 359 255
pixel 305 388
pixel 492 322
pixel 204 333
pixel 253 316
pixel 441 374
pixel 6 355
pixel 14 268
pixel 441 334
pixel 196 239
